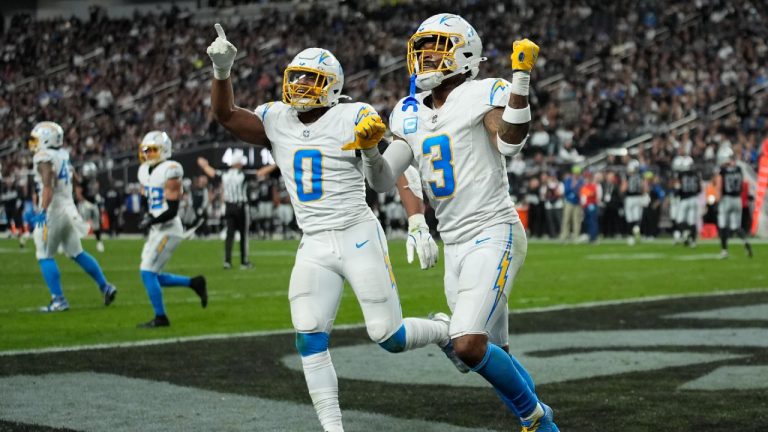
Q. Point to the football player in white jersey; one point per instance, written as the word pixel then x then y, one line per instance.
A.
pixel 161 179
pixel 57 222
pixel 342 238
pixel 457 132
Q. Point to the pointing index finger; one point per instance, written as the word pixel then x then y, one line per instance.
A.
pixel 220 31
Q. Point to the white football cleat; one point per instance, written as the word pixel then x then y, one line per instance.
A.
pixel 57 304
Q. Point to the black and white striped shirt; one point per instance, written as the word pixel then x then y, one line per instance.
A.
pixel 233 182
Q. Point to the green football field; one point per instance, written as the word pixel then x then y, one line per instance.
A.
pixel 256 299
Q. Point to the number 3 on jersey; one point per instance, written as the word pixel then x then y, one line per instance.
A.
pixel 309 188
pixel 442 162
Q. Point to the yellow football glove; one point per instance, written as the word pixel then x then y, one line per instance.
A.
pixel 368 133
pixel 524 55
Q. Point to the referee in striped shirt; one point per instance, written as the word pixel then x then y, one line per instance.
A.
pixel 236 202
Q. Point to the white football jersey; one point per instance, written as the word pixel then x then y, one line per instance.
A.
pixel 153 180
pixel 326 184
pixel 463 173
pixel 62 170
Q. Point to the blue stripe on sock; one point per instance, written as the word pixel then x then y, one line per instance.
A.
pixel 91 266
pixel 154 292
pixel 311 343
pixel 396 342
pixel 498 369
pixel 52 276
pixel 172 280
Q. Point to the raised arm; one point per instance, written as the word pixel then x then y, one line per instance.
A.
pixel 206 167
pixel 242 123
pixel 508 127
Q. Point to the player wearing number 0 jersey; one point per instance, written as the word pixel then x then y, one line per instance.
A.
pixel 457 133
pixel 312 139
pixel 57 222
pixel 161 180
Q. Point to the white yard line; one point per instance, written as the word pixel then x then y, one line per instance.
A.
pixel 221 336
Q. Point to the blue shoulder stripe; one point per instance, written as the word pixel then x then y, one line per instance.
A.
pixel 264 111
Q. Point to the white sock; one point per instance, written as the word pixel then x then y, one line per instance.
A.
pixel 323 389
pixel 538 412
pixel 421 332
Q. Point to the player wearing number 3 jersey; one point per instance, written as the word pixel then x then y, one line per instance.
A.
pixel 457 133
pixel 313 140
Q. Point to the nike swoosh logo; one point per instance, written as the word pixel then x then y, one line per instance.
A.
pixel 477 242
pixel 359 245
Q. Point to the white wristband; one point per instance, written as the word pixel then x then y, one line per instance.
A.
pixel 517 115
pixel 220 74
pixel 508 149
pixel 416 221
pixel 520 83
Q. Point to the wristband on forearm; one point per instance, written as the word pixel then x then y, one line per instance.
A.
pixel 520 83
pixel 173 210
pixel 517 115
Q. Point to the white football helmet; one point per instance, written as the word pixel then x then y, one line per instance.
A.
pixel 725 155
pixel 682 163
pixel 89 169
pixel 46 135
pixel 455 39
pixel 155 147
pixel 633 166
pixel 313 79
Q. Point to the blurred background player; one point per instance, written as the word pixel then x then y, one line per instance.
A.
pixel 236 213
pixel 342 237
pixel 456 132
pixel 200 203
pixel 12 197
pixel 635 191
pixel 689 189
pixel 92 203
pixel 728 189
pixel 281 201
pixel 57 222
pixel 161 179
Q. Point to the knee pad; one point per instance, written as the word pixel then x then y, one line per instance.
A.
pixel 311 343
pixel 395 343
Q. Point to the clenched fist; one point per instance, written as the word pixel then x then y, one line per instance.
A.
pixel 524 55
pixel 368 133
